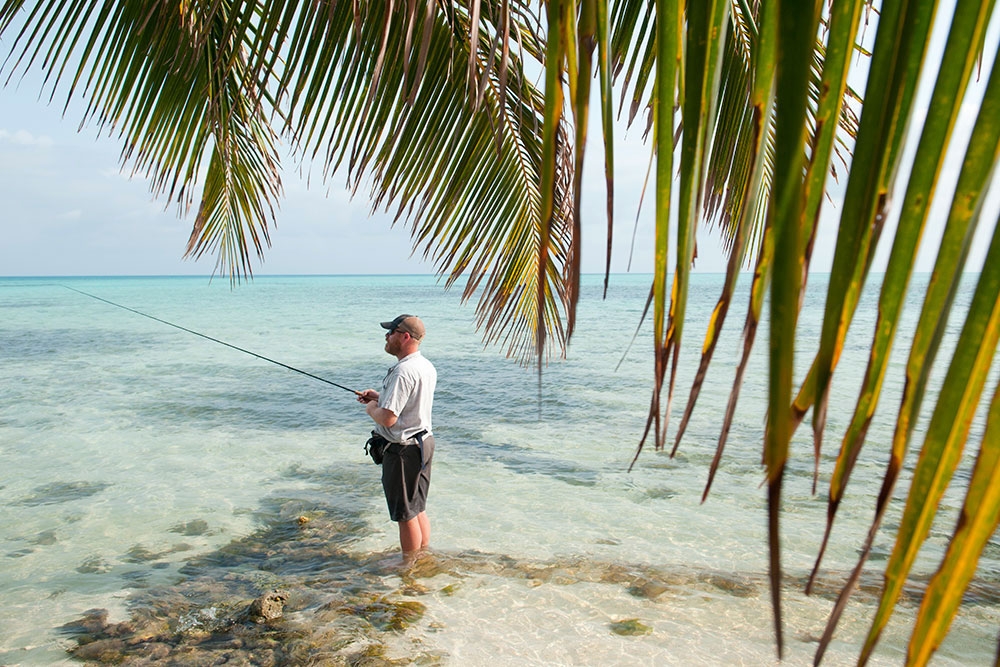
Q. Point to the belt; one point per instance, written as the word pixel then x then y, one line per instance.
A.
pixel 419 437
pixel 416 436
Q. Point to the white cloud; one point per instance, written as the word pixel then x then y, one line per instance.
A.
pixel 25 138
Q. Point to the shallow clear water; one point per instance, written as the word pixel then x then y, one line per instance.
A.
pixel 138 458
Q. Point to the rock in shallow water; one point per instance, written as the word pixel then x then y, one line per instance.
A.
pixel 630 627
pixel 267 607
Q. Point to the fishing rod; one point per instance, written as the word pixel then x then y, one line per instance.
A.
pixel 214 340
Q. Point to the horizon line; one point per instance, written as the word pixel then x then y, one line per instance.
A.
pixel 356 275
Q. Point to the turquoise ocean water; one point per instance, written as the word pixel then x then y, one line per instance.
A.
pixel 157 475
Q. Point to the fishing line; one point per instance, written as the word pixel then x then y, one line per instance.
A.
pixel 214 340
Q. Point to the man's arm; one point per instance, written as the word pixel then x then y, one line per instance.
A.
pixel 380 416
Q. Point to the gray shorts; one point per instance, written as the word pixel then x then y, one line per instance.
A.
pixel 405 481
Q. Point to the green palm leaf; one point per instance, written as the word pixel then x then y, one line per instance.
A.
pixel 796 26
pixel 740 169
pixel 977 170
pixel 979 518
pixel 753 210
pixel 604 67
pixel 904 30
pixel 946 434
pixel 953 77
pixel 830 115
pixel 668 42
pixel 205 85
pixel 703 64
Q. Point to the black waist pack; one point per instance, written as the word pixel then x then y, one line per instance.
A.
pixel 375 447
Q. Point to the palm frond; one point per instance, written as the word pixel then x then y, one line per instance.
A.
pixel 902 39
pixel 464 174
pixel 174 87
pixel 953 78
pixel 668 42
pixel 753 210
pixel 391 95
pixel 946 435
pixel 981 515
pixel 977 172
pixel 796 29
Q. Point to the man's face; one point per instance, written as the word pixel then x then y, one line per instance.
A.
pixel 392 341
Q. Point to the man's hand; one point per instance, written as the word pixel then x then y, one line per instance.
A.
pixel 367 396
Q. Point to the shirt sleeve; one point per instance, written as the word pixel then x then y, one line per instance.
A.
pixel 397 394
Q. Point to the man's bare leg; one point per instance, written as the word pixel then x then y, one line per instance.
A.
pixel 425 529
pixel 410 536
pixel 415 534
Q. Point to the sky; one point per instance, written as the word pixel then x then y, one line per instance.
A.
pixel 69 208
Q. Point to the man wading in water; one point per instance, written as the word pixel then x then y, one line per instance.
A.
pixel 402 415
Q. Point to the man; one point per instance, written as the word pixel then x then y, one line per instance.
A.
pixel 402 415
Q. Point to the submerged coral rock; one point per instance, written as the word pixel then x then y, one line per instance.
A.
pixel 102 650
pixel 648 589
pixel 93 622
pixel 385 614
pixel 267 607
pixel 192 528
pixel 629 627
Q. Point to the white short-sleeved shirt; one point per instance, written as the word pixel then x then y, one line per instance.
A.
pixel 408 391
